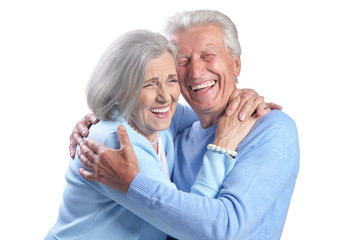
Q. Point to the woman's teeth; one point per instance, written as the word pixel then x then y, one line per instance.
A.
pixel 203 85
pixel 160 110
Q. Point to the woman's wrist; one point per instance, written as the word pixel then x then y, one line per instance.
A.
pixel 220 149
pixel 225 143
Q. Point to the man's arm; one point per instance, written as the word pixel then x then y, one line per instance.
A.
pixel 247 98
pixel 263 177
pixel 150 171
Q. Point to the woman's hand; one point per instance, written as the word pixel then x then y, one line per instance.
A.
pixel 113 167
pixel 230 131
pixel 250 102
pixel 81 130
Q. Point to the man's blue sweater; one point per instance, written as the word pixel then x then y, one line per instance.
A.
pixel 253 201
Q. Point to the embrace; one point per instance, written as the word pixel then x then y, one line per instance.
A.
pixel 147 167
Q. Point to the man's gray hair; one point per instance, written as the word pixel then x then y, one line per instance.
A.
pixel 184 20
pixel 117 80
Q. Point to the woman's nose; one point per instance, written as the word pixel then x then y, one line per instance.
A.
pixel 162 94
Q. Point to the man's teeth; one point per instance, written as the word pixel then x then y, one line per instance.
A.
pixel 203 85
pixel 160 110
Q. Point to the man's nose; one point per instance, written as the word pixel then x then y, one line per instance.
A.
pixel 196 69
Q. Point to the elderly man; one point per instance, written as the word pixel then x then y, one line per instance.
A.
pixel 254 199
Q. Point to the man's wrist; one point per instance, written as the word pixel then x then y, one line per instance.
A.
pixel 140 187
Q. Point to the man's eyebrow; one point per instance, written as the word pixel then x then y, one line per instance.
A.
pixel 208 48
pixel 182 56
pixel 202 51
pixel 172 76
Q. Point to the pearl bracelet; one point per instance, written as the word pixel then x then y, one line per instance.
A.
pixel 221 150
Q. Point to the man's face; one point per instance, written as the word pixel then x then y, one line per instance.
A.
pixel 205 68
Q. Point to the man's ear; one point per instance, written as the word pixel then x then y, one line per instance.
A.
pixel 237 66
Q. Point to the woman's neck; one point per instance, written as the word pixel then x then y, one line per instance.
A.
pixel 153 137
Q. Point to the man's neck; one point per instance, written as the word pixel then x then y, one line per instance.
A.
pixel 208 119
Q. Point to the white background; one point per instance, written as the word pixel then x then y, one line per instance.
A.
pixel 304 55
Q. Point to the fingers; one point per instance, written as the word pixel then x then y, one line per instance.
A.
pixel 256 117
pixel 234 101
pixel 81 130
pixel 267 110
pixel 233 105
pixel 88 158
pixel 123 136
pixel 247 106
pixel 273 106
pixel 242 100
pixel 85 123
pixel 88 175
pixel 75 139
pixel 92 145
pixel 260 106
pixel 93 118
pixel 237 92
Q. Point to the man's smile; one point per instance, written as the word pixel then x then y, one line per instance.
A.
pixel 203 86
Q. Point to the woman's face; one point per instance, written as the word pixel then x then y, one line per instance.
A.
pixel 158 98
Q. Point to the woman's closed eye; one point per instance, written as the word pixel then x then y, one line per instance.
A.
pixel 150 84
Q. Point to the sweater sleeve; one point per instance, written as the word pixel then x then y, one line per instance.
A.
pixel 105 133
pixel 267 164
pixel 216 165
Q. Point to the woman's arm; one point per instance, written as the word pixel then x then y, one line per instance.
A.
pixel 254 197
pixel 256 193
pixel 240 97
pixel 217 165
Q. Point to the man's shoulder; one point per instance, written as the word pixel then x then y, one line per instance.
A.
pixel 277 119
pixel 274 126
pixel 275 133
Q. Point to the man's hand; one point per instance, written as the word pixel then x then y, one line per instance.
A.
pixel 248 100
pixel 81 130
pixel 113 167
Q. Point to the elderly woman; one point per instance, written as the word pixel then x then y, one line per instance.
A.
pixel 134 85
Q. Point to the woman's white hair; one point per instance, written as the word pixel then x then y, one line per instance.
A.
pixel 184 20
pixel 117 80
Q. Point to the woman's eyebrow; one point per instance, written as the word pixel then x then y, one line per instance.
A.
pixel 152 79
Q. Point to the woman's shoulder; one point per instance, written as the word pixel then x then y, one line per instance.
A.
pixel 104 130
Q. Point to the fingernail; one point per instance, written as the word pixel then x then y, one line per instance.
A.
pixel 228 112
pixel 243 117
